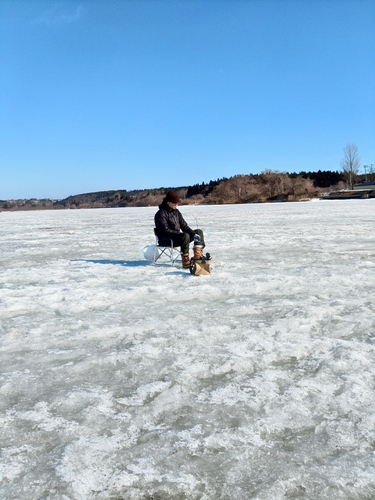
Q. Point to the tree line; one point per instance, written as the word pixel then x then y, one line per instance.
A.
pixel 269 185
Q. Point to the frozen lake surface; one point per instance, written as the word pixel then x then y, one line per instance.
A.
pixel 125 380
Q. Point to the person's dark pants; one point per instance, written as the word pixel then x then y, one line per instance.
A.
pixel 182 240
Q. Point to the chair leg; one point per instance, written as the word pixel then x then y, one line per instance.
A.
pixel 167 251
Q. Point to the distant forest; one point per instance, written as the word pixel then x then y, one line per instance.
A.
pixel 251 188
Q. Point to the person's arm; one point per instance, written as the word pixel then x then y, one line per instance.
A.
pixel 184 225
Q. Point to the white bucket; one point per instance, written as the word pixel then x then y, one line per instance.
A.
pixel 151 252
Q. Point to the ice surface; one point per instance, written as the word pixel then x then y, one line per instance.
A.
pixel 121 379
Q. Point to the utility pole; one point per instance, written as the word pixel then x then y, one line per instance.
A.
pixel 366 167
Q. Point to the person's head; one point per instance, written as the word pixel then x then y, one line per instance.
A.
pixel 172 199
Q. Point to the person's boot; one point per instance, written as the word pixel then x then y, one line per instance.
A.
pixel 198 254
pixel 185 260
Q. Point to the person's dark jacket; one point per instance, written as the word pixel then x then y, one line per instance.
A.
pixel 169 222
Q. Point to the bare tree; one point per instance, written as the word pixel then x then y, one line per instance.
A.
pixel 351 163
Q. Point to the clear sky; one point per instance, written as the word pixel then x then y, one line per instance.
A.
pixel 133 94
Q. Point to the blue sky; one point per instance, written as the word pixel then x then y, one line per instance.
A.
pixel 132 94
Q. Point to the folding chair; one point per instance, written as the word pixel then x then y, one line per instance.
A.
pixel 168 251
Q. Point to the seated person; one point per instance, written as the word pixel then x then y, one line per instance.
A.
pixel 170 225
